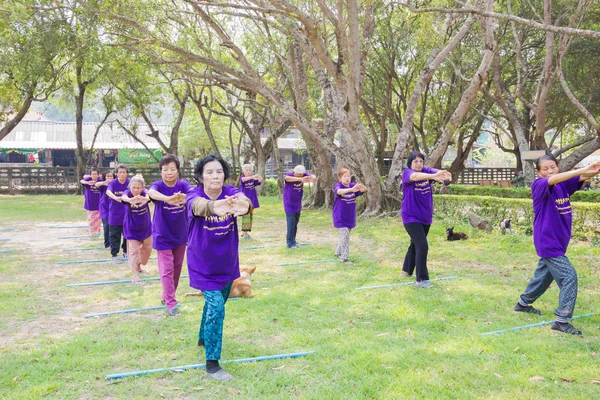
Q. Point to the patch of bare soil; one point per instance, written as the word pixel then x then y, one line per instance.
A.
pixel 61 309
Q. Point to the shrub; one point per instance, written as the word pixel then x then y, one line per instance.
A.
pixel 519 211
pixel 513 193
pixel 270 187
pixel 589 196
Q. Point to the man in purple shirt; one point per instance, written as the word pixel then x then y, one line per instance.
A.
pixel 417 214
pixel 292 201
pixel 116 211
pixel 552 220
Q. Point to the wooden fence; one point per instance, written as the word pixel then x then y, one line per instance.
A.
pixel 38 180
pixel 486 176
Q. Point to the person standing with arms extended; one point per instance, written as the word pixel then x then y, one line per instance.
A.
pixel 552 222
pixel 292 201
pixel 104 205
pixel 248 183
pixel 212 254
pixel 417 214
pixel 345 193
pixel 137 228
pixel 116 212
pixel 170 227
pixel 92 201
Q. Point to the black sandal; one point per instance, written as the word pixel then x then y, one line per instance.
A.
pixel 565 328
pixel 527 309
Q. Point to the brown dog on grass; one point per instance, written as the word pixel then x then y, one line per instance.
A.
pixel 241 287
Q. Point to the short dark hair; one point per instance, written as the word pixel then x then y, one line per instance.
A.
pixel 121 166
pixel 199 168
pixel 109 172
pixel 168 159
pixel 92 169
pixel 412 156
pixel 546 157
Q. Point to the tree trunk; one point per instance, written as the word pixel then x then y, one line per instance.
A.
pixel 11 124
pixel 435 60
pixel 568 163
pixel 79 99
pixel 470 95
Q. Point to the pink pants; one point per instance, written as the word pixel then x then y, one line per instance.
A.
pixel 138 253
pixel 169 265
pixel 94 221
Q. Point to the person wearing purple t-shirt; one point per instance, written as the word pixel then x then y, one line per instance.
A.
pixel 417 214
pixel 552 219
pixel 137 228
pixel 212 254
pixel 345 193
pixel 91 201
pixel 292 201
pixel 170 228
pixel 248 183
pixel 104 204
pixel 116 211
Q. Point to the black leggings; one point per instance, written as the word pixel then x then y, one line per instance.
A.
pixel 115 239
pixel 416 256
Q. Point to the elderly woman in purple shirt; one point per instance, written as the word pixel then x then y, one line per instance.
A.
pixel 92 200
pixel 417 214
pixel 344 210
pixel 212 254
pixel 169 228
pixel 551 194
pixel 137 228
pixel 248 183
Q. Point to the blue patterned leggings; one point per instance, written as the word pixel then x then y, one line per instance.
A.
pixel 560 270
pixel 213 315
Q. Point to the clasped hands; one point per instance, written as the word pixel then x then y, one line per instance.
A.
pixel 234 205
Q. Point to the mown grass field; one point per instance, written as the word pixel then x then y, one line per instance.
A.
pixel 391 343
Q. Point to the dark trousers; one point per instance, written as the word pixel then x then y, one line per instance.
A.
pixel 106 233
pixel 292 220
pixel 416 256
pixel 557 269
pixel 115 239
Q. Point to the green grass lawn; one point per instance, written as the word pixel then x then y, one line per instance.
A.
pixel 399 342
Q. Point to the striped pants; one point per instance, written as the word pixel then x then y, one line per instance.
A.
pixel 94 222
pixel 557 269
pixel 213 316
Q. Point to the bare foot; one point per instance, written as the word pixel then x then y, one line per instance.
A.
pixel 404 273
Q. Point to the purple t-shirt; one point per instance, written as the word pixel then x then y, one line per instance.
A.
pixel 344 206
pixel 248 188
pixel 104 202
pixel 91 196
pixel 170 223
pixel 292 195
pixel 136 225
pixel 552 216
pixel 212 253
pixel 417 199
pixel 116 209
